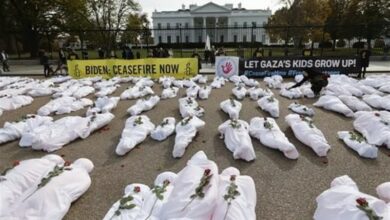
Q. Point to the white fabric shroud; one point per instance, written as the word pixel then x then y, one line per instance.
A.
pixel 64 105
pixel 193 91
pixel 103 105
pixel 186 130
pixel 239 92
pixel 243 206
pixel 14 130
pixel 138 199
pixel 166 81
pixel 301 109
pixel 354 103
pixel 188 106
pixel 179 205
pixel 339 202
pixel 306 132
pixel 164 129
pixel 377 101
pixel 169 93
pixel 105 91
pixel 204 92
pixel 218 82
pixel 53 136
pixel 269 104
pixel 249 82
pixel 360 146
pixel 137 128
pixel 9 103
pixel 152 204
pixel 383 191
pixel 231 107
pixel 52 201
pixel 374 126
pixel 267 131
pixel 144 104
pixel 274 82
pixel 237 139
pixel 22 178
pixel 333 103
pixel 83 91
pixel 136 92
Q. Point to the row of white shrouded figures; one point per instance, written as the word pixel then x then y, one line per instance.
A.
pixel 44 188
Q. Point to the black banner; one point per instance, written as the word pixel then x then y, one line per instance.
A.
pixel 291 66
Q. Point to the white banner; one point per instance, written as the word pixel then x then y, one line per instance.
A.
pixel 226 66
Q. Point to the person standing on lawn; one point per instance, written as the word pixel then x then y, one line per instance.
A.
pixel 365 61
pixel 4 60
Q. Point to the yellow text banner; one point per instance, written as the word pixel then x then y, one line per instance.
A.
pixel 179 68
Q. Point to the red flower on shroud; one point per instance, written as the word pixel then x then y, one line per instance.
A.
pixel 15 163
pixel 207 172
pixel 67 163
pixel 232 177
pixel 137 189
pixel 362 202
pixel 377 114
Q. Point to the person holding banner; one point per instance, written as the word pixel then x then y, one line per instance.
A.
pixel 317 79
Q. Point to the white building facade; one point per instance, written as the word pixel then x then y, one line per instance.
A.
pixel 221 23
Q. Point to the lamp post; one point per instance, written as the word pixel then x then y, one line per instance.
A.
pixel 181 42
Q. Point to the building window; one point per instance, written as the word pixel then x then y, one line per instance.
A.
pixel 187 39
pixel 235 38
pixel 263 38
pixel 235 24
pixel 245 25
pixel 168 26
pixel 177 39
pixel 200 39
pixel 254 24
pixel 177 25
pixel 264 24
pixel 244 38
pixel 159 25
pixel 168 39
pixel 254 38
pixel 159 39
pixel 221 39
pixel 186 25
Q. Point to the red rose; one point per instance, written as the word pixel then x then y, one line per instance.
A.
pixel 377 114
pixel 232 177
pixel 362 202
pixel 137 189
pixel 166 182
pixel 15 163
pixel 67 163
pixel 207 172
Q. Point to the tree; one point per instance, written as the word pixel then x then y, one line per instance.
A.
pixel 335 18
pixel 137 29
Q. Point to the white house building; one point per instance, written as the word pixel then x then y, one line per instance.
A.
pixel 221 23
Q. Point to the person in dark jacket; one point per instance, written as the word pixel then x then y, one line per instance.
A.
pixel 195 54
pixel 365 61
pixel 47 69
pixel 317 79
pixel 4 60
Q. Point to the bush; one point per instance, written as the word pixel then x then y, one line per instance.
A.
pixel 325 44
pixel 358 45
pixel 341 43
pixel 379 43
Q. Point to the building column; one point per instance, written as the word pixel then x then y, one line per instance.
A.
pixel 204 34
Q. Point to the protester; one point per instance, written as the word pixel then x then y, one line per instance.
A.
pixel 101 53
pixel 4 60
pixel 259 53
pixel 365 61
pixel 207 56
pixel 220 52
pixel 47 69
pixel 195 54
pixel 73 55
pixel 212 55
pixel 317 79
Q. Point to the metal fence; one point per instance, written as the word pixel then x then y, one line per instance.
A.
pixel 236 41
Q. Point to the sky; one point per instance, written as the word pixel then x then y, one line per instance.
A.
pixel 149 6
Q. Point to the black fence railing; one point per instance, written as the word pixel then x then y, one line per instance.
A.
pixel 182 41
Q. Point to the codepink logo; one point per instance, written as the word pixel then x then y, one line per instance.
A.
pixel 227 68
